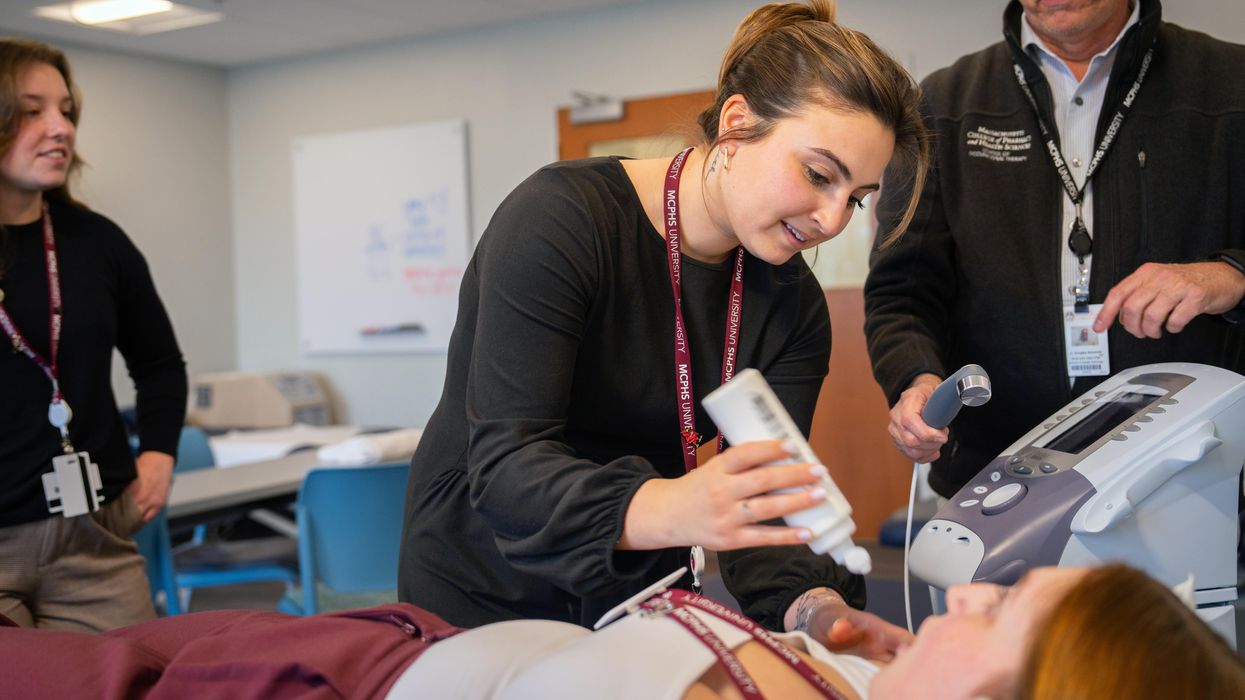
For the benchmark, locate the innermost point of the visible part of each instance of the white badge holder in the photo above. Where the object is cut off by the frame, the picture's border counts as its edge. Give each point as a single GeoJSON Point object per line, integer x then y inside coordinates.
{"type": "Point", "coordinates": [633, 603]}
{"type": "Point", "coordinates": [73, 487]}
{"type": "Point", "coordinates": [1087, 352]}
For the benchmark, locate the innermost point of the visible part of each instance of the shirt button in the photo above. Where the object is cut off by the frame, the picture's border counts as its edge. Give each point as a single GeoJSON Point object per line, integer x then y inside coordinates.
{"type": "Point", "coordinates": [1078, 100]}
{"type": "Point", "coordinates": [1076, 162]}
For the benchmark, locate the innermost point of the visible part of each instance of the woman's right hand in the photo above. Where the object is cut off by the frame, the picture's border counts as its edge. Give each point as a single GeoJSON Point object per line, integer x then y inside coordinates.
{"type": "Point", "coordinates": [722, 504]}
{"type": "Point", "coordinates": [910, 433]}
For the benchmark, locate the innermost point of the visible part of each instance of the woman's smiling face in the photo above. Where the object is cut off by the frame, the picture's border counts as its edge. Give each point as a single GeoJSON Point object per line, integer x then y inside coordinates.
{"type": "Point", "coordinates": [799, 185]}
{"type": "Point", "coordinates": [39, 157]}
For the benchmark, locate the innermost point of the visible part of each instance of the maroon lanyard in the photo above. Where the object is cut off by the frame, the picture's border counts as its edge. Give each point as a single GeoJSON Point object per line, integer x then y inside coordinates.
{"type": "Point", "coordinates": [675, 604]}
{"type": "Point", "coordinates": [54, 313]}
{"type": "Point", "coordinates": [686, 400]}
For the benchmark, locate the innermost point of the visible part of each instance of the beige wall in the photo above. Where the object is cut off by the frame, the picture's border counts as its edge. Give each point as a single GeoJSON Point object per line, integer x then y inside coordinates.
{"type": "Point", "coordinates": [154, 136]}
{"type": "Point", "coordinates": [195, 162]}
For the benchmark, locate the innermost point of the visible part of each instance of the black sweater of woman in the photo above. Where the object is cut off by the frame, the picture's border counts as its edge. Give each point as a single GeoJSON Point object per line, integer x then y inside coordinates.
{"type": "Point", "coordinates": [109, 302]}
{"type": "Point", "coordinates": [559, 403]}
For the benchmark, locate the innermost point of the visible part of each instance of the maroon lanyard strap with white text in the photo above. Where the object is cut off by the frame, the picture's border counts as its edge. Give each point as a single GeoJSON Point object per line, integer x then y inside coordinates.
{"type": "Point", "coordinates": [686, 398]}
{"type": "Point", "coordinates": [55, 314]}
{"type": "Point", "coordinates": [674, 603]}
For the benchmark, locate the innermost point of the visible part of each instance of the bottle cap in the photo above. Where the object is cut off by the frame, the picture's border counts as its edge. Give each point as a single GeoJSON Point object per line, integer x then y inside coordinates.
{"type": "Point", "coordinates": [858, 561]}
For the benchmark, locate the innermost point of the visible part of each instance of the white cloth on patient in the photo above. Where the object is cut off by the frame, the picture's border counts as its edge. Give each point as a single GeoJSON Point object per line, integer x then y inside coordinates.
{"type": "Point", "coordinates": [373, 448]}
{"type": "Point", "coordinates": [636, 657]}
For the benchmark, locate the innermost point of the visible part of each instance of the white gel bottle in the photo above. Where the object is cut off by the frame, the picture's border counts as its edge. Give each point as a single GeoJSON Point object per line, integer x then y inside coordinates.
{"type": "Point", "coordinates": [745, 409]}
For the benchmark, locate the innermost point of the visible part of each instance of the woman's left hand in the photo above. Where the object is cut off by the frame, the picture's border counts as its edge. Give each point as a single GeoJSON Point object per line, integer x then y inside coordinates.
{"type": "Point", "coordinates": [150, 488]}
{"type": "Point", "coordinates": [826, 617]}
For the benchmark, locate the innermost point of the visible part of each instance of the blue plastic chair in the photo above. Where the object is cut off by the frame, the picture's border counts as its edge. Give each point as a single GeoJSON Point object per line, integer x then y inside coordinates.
{"type": "Point", "coordinates": [349, 531]}
{"type": "Point", "coordinates": [203, 564]}
{"type": "Point", "coordinates": [155, 546]}
{"type": "Point", "coordinates": [154, 542]}
{"type": "Point", "coordinates": [193, 450]}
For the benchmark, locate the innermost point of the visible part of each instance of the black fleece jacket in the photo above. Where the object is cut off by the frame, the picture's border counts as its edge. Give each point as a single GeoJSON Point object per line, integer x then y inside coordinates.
{"type": "Point", "coordinates": [559, 403]}
{"type": "Point", "coordinates": [977, 276]}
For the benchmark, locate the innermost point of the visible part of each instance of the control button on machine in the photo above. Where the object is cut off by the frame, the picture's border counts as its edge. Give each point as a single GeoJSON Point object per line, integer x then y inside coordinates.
{"type": "Point", "coordinates": [995, 476]}
{"type": "Point", "coordinates": [1015, 460]}
{"type": "Point", "coordinates": [1003, 498]}
{"type": "Point", "coordinates": [1048, 468]}
{"type": "Point", "coordinates": [979, 490]}
{"type": "Point", "coordinates": [969, 503]}
{"type": "Point", "coordinates": [1023, 469]}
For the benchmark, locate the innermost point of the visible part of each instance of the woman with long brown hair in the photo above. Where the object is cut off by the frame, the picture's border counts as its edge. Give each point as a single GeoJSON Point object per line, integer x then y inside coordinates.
{"type": "Point", "coordinates": [559, 474]}
{"type": "Point", "coordinates": [73, 288]}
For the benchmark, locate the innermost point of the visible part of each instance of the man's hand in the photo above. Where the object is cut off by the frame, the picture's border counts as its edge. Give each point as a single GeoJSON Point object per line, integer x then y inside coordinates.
{"type": "Point", "coordinates": [914, 438]}
{"type": "Point", "coordinates": [150, 489]}
{"type": "Point", "coordinates": [1160, 297]}
{"type": "Point", "coordinates": [826, 617]}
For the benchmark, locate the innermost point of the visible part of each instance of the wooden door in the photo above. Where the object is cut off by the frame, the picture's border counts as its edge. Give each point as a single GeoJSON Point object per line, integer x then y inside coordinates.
{"type": "Point", "coordinates": [650, 127]}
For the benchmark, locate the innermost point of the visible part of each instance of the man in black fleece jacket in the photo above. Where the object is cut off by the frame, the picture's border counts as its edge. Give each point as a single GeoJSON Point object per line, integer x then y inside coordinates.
{"type": "Point", "coordinates": [991, 267]}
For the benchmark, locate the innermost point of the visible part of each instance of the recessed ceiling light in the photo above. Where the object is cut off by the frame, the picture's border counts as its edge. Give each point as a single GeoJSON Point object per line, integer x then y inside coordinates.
{"type": "Point", "coordinates": [131, 16]}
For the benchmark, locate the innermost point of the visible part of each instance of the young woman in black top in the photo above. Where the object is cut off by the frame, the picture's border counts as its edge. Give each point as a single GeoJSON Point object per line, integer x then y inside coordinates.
{"type": "Point", "coordinates": [606, 298]}
{"type": "Point", "coordinates": [72, 288]}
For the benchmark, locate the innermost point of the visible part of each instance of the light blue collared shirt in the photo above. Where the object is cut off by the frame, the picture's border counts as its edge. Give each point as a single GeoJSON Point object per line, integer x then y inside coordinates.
{"type": "Point", "coordinates": [1077, 106]}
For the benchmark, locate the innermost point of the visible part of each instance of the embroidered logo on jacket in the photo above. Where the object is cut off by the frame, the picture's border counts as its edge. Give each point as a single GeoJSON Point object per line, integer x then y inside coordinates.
{"type": "Point", "coordinates": [999, 146]}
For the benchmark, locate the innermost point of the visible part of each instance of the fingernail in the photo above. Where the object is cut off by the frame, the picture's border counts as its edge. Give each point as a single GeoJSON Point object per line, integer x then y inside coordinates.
{"type": "Point", "coordinates": [819, 470]}
{"type": "Point", "coordinates": [790, 446]}
{"type": "Point", "coordinates": [817, 494]}
{"type": "Point", "coordinates": [805, 535]}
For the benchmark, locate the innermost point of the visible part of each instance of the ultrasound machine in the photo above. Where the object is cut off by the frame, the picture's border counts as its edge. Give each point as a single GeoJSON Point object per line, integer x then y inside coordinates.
{"type": "Point", "coordinates": [1145, 469]}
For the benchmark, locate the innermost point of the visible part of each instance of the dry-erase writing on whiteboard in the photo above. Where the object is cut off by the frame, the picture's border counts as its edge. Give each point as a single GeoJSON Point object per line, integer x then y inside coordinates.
{"type": "Point", "coordinates": [394, 329]}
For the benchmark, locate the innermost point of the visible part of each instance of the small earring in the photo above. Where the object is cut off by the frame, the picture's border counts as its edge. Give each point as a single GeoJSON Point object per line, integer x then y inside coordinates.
{"type": "Point", "coordinates": [726, 159]}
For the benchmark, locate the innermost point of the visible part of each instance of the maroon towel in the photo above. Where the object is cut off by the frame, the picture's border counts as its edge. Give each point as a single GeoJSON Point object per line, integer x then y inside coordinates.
{"type": "Point", "coordinates": [232, 654]}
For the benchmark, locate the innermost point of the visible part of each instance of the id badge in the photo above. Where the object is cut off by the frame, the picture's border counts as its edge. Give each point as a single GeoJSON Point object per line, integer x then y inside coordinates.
{"type": "Point", "coordinates": [73, 487]}
{"type": "Point", "coordinates": [1087, 353]}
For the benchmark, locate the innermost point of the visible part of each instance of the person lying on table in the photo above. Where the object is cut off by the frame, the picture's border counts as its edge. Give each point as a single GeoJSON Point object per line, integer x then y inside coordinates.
{"type": "Point", "coordinates": [1059, 634]}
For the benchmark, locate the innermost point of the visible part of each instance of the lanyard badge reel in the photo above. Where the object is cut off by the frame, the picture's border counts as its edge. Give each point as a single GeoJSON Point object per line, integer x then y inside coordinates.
{"type": "Point", "coordinates": [73, 487]}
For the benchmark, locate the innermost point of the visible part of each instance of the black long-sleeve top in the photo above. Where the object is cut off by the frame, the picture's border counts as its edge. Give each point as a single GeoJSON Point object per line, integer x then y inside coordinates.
{"type": "Point", "coordinates": [559, 402]}
{"type": "Point", "coordinates": [109, 302]}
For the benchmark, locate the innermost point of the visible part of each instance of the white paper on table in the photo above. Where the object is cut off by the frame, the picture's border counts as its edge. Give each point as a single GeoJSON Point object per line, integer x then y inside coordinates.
{"type": "Point", "coordinates": [373, 448]}
{"type": "Point", "coordinates": [246, 446]}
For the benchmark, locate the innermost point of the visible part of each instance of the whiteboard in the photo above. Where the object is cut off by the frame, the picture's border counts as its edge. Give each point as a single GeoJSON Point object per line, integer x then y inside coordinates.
{"type": "Point", "coordinates": [381, 237]}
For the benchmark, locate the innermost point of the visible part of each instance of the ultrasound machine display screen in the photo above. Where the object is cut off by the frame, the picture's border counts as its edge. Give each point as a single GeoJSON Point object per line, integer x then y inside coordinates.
{"type": "Point", "coordinates": [1104, 418]}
